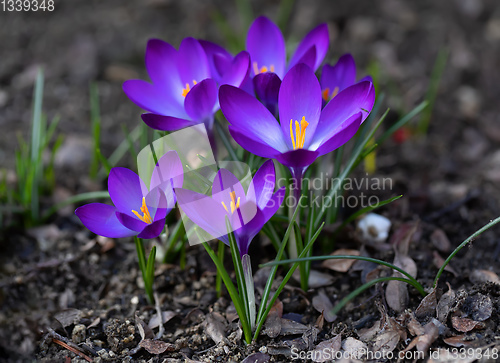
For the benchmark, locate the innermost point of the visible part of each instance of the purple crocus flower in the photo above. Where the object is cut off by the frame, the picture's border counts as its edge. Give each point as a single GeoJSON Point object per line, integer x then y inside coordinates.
{"type": "Point", "coordinates": [183, 92]}
{"type": "Point", "coordinates": [136, 211]}
{"type": "Point", "coordinates": [305, 131]}
{"type": "Point", "coordinates": [338, 77]}
{"type": "Point", "coordinates": [266, 46]}
{"type": "Point", "coordinates": [247, 212]}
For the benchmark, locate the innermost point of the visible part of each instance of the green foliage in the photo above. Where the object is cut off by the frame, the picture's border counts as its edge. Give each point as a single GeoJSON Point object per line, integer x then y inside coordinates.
{"type": "Point", "coordinates": [34, 175]}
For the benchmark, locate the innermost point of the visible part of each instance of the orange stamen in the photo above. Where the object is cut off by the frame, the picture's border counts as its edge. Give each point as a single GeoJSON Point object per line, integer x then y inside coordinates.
{"type": "Point", "coordinates": [300, 133]}
{"type": "Point", "coordinates": [146, 217]}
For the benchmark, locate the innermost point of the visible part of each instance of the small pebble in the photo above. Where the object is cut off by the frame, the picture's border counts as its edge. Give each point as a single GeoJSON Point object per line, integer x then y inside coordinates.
{"type": "Point", "coordinates": [374, 227]}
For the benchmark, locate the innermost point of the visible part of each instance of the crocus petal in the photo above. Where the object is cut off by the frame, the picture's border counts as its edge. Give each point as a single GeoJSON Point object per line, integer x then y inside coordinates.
{"type": "Point", "coordinates": [192, 62]}
{"type": "Point", "coordinates": [299, 96]}
{"type": "Point", "coordinates": [340, 136]}
{"type": "Point", "coordinates": [300, 158]}
{"type": "Point", "coordinates": [266, 46]}
{"type": "Point", "coordinates": [250, 117]}
{"type": "Point", "coordinates": [218, 59]}
{"type": "Point", "coordinates": [161, 63]}
{"type": "Point", "coordinates": [250, 228]}
{"type": "Point", "coordinates": [237, 70]}
{"type": "Point", "coordinates": [258, 148]}
{"type": "Point", "coordinates": [157, 204]}
{"type": "Point", "coordinates": [317, 37]}
{"type": "Point", "coordinates": [267, 87]}
{"type": "Point", "coordinates": [101, 219]}
{"type": "Point", "coordinates": [166, 123]}
{"type": "Point", "coordinates": [339, 76]}
{"type": "Point", "coordinates": [225, 183]}
{"type": "Point", "coordinates": [207, 213]}
{"type": "Point", "coordinates": [356, 98]}
{"type": "Point", "coordinates": [152, 230]}
{"type": "Point", "coordinates": [262, 186]}
{"type": "Point", "coordinates": [200, 101]}
{"type": "Point", "coordinates": [125, 189]}
{"type": "Point", "coordinates": [130, 222]}
{"type": "Point", "coordinates": [153, 99]}
{"type": "Point", "coordinates": [367, 79]}
{"type": "Point", "coordinates": [274, 204]}
{"type": "Point", "coordinates": [169, 167]}
{"type": "Point", "coordinates": [309, 57]}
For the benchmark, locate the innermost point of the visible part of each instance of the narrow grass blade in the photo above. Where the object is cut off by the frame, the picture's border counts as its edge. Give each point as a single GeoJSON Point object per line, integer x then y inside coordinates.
{"type": "Point", "coordinates": [462, 245]}
{"type": "Point", "coordinates": [218, 279]}
{"type": "Point", "coordinates": [362, 288]}
{"type": "Point", "coordinates": [401, 122]}
{"type": "Point", "coordinates": [432, 91]}
{"type": "Point", "coordinates": [279, 255]}
{"type": "Point", "coordinates": [238, 305]}
{"type": "Point", "coordinates": [365, 210]}
{"type": "Point", "coordinates": [37, 136]}
{"type": "Point", "coordinates": [284, 282]}
{"type": "Point", "coordinates": [415, 283]}
{"type": "Point", "coordinates": [352, 161]}
{"type": "Point", "coordinates": [95, 121]}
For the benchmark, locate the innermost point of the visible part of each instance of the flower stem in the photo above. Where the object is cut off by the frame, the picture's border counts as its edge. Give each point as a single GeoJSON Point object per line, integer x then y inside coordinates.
{"type": "Point", "coordinates": [247, 272]}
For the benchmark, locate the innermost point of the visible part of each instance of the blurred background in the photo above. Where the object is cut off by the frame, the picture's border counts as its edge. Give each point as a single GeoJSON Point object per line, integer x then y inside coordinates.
{"type": "Point", "coordinates": [446, 51]}
{"type": "Point", "coordinates": [397, 42]}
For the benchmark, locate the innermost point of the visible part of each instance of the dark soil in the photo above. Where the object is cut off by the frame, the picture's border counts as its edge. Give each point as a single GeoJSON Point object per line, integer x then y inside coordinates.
{"type": "Point", "coordinates": [61, 283]}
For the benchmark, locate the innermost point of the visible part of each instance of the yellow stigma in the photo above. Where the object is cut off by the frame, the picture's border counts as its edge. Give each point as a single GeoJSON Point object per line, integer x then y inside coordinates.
{"type": "Point", "coordinates": [300, 133]}
{"type": "Point", "coordinates": [262, 69]}
{"type": "Point", "coordinates": [326, 93]}
{"type": "Point", "coordinates": [235, 204]}
{"type": "Point", "coordinates": [186, 90]}
{"type": "Point", "coordinates": [146, 217]}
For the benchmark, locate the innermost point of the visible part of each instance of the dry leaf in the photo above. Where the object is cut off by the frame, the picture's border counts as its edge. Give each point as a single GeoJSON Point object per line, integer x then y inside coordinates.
{"type": "Point", "coordinates": [156, 346]}
{"type": "Point", "coordinates": [396, 295]}
{"type": "Point", "coordinates": [479, 307]}
{"type": "Point", "coordinates": [386, 342]}
{"type": "Point", "coordinates": [445, 304]}
{"type": "Point", "coordinates": [481, 276]}
{"type": "Point", "coordinates": [322, 304]}
{"type": "Point", "coordinates": [439, 261]}
{"type": "Point", "coordinates": [405, 263]}
{"type": "Point", "coordinates": [318, 279]}
{"type": "Point", "coordinates": [290, 327]}
{"type": "Point", "coordinates": [144, 330]}
{"type": "Point", "coordinates": [257, 358]}
{"type": "Point", "coordinates": [465, 325]}
{"type": "Point", "coordinates": [231, 313]}
{"type": "Point", "coordinates": [460, 341]}
{"type": "Point", "coordinates": [320, 321]}
{"type": "Point", "coordinates": [402, 237]}
{"type": "Point", "coordinates": [273, 320]}
{"type": "Point", "coordinates": [341, 265]}
{"type": "Point", "coordinates": [324, 350]}
{"type": "Point", "coordinates": [154, 322]}
{"type": "Point", "coordinates": [440, 240]}
{"type": "Point", "coordinates": [427, 306]}
{"type": "Point", "coordinates": [94, 323]}
{"type": "Point", "coordinates": [68, 316]}
{"type": "Point", "coordinates": [366, 334]}
{"type": "Point", "coordinates": [431, 330]}
{"type": "Point", "coordinates": [215, 327]}
{"type": "Point", "coordinates": [414, 327]}
{"type": "Point", "coordinates": [354, 347]}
